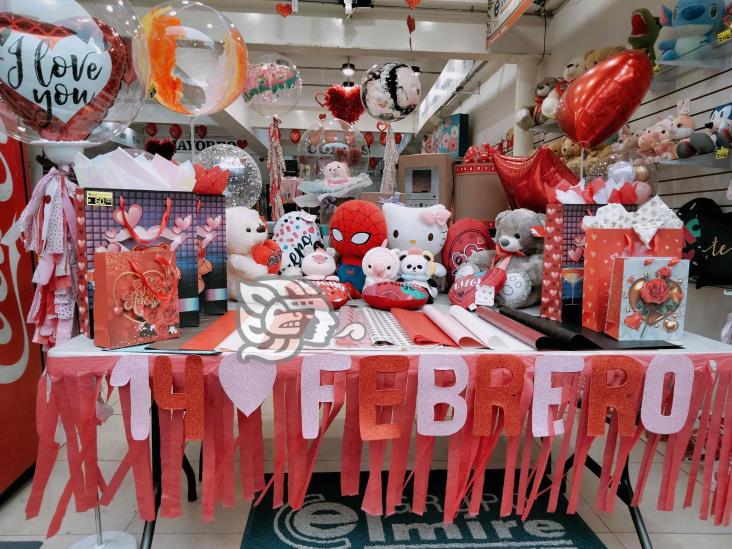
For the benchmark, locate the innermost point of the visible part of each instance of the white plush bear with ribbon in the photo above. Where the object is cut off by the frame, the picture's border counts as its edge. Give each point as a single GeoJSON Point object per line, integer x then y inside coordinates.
{"type": "Point", "coordinates": [424, 228]}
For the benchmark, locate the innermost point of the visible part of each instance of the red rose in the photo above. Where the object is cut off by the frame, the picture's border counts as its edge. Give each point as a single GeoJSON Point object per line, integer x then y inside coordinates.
{"type": "Point", "coordinates": [654, 291]}
{"type": "Point", "coordinates": [665, 272]}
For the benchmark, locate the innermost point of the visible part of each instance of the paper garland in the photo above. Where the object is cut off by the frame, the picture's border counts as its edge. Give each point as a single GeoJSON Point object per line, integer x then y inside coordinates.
{"type": "Point", "coordinates": [653, 414]}
{"type": "Point", "coordinates": [546, 395]}
{"type": "Point", "coordinates": [429, 395]}
{"type": "Point", "coordinates": [247, 383]}
{"type": "Point", "coordinates": [370, 396]}
{"type": "Point", "coordinates": [191, 400]}
{"type": "Point", "coordinates": [133, 370]}
{"type": "Point", "coordinates": [312, 393]}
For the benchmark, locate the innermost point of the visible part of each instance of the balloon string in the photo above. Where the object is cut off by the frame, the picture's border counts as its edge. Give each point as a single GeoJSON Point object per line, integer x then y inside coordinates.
{"type": "Point", "coordinates": [582, 163]}
{"type": "Point", "coordinates": [193, 143]}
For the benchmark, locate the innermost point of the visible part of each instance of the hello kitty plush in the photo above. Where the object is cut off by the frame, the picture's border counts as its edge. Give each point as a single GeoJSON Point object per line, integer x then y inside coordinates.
{"type": "Point", "coordinates": [425, 228]}
{"type": "Point", "coordinates": [418, 267]}
{"type": "Point", "coordinates": [380, 265]}
{"type": "Point", "coordinates": [319, 263]}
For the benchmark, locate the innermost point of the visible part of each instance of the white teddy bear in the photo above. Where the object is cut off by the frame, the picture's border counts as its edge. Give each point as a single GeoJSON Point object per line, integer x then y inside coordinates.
{"type": "Point", "coordinates": [244, 230]}
{"type": "Point", "coordinates": [336, 173]}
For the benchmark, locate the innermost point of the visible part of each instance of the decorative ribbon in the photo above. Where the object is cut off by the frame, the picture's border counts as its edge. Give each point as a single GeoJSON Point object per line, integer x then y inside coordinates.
{"type": "Point", "coordinates": [167, 269]}
{"type": "Point", "coordinates": [276, 167]}
{"type": "Point", "coordinates": [161, 227]}
{"type": "Point", "coordinates": [391, 157]}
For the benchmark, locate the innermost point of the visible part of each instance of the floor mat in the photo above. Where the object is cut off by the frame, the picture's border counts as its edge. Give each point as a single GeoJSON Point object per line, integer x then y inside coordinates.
{"type": "Point", "coordinates": [329, 520]}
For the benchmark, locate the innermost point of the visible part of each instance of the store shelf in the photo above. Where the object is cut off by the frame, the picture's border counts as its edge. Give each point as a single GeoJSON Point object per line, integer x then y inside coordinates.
{"type": "Point", "coordinates": [548, 127]}
{"type": "Point", "coordinates": [714, 57]}
{"type": "Point", "coordinates": [700, 161]}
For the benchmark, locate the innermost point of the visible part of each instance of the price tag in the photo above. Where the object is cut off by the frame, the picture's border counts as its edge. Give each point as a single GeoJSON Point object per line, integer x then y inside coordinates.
{"type": "Point", "coordinates": [722, 153]}
{"type": "Point", "coordinates": [485, 295]}
{"type": "Point", "coordinates": [724, 36]}
{"type": "Point", "coordinates": [99, 198]}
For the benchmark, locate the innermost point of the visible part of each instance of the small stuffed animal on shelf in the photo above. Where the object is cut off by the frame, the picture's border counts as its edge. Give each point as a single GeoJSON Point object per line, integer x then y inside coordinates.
{"type": "Point", "coordinates": [418, 267]}
{"type": "Point", "coordinates": [573, 70]}
{"type": "Point", "coordinates": [693, 24]}
{"type": "Point", "coordinates": [530, 116]}
{"type": "Point", "coordinates": [704, 141]}
{"type": "Point", "coordinates": [645, 29]}
{"type": "Point", "coordinates": [380, 265]}
{"type": "Point", "coordinates": [319, 263]}
{"type": "Point", "coordinates": [245, 229]}
{"type": "Point", "coordinates": [355, 228]}
{"type": "Point", "coordinates": [520, 248]}
{"type": "Point", "coordinates": [724, 133]}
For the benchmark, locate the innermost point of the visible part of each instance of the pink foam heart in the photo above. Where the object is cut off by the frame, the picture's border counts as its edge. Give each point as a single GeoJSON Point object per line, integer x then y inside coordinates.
{"type": "Point", "coordinates": [246, 383]}
{"type": "Point", "coordinates": [213, 223]}
{"type": "Point", "coordinates": [181, 224]}
{"type": "Point", "coordinates": [576, 254]}
{"type": "Point", "coordinates": [133, 215]}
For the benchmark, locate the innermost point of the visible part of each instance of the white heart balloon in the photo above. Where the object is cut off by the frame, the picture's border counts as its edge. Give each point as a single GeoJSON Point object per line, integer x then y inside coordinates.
{"type": "Point", "coordinates": [246, 383]}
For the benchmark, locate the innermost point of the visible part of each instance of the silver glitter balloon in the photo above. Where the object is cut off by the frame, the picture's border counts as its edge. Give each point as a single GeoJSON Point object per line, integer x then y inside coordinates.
{"type": "Point", "coordinates": [245, 180]}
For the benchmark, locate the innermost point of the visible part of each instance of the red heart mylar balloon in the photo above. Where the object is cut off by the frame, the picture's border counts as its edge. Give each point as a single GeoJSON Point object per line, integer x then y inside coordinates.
{"type": "Point", "coordinates": [81, 103]}
{"type": "Point", "coordinates": [525, 180]}
{"type": "Point", "coordinates": [242, 143]}
{"type": "Point", "coordinates": [295, 136]}
{"type": "Point", "coordinates": [599, 102]}
{"type": "Point", "coordinates": [382, 138]}
{"type": "Point", "coordinates": [201, 131]}
{"type": "Point", "coordinates": [369, 138]}
{"type": "Point", "coordinates": [397, 138]}
{"type": "Point", "coordinates": [175, 131]}
{"type": "Point", "coordinates": [151, 129]}
{"type": "Point", "coordinates": [344, 103]}
{"type": "Point", "coordinates": [285, 10]}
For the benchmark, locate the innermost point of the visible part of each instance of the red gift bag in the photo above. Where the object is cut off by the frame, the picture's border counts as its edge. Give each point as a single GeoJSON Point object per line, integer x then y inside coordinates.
{"type": "Point", "coordinates": [136, 298]}
{"type": "Point", "coordinates": [605, 244]}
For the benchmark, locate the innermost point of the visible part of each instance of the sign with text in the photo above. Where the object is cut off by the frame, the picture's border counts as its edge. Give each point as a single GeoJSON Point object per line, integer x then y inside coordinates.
{"type": "Point", "coordinates": [502, 16]}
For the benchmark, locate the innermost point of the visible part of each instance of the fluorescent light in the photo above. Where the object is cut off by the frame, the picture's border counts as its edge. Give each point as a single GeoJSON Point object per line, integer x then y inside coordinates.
{"type": "Point", "coordinates": [348, 69]}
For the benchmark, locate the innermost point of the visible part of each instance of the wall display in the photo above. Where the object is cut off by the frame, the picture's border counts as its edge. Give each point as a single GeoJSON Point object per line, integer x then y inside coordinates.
{"type": "Point", "coordinates": [20, 367]}
{"type": "Point", "coordinates": [41, 98]}
{"type": "Point", "coordinates": [198, 58]}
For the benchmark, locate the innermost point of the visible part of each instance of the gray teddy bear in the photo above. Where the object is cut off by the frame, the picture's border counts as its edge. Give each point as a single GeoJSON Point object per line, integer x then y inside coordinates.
{"type": "Point", "coordinates": [520, 233]}
{"type": "Point", "coordinates": [530, 116]}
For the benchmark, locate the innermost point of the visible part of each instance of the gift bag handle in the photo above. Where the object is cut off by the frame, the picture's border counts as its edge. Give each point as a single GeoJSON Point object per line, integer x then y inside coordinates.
{"type": "Point", "coordinates": [163, 298]}
{"type": "Point", "coordinates": [161, 227]}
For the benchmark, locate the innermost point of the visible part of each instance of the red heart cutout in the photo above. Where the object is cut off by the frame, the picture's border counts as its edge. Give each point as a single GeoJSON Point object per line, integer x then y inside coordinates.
{"type": "Point", "coordinates": [37, 115]}
{"type": "Point", "coordinates": [413, 3]}
{"type": "Point", "coordinates": [284, 9]}
{"type": "Point", "coordinates": [242, 143]}
{"type": "Point", "coordinates": [344, 103]}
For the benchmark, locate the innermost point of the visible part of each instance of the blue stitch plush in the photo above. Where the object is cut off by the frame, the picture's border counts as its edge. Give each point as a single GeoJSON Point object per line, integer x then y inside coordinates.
{"type": "Point", "coordinates": [689, 26]}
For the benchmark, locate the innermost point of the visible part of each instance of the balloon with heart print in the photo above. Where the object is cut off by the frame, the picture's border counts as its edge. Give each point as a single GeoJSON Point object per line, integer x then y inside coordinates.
{"type": "Point", "coordinates": [198, 58]}
{"type": "Point", "coordinates": [332, 140]}
{"type": "Point", "coordinates": [69, 70]}
{"type": "Point", "coordinates": [273, 86]}
{"type": "Point", "coordinates": [244, 183]}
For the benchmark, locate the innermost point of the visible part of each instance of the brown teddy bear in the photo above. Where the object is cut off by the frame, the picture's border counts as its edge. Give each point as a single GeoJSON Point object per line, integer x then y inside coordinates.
{"type": "Point", "coordinates": [556, 146]}
{"type": "Point", "coordinates": [570, 154]}
{"type": "Point", "coordinates": [596, 56]}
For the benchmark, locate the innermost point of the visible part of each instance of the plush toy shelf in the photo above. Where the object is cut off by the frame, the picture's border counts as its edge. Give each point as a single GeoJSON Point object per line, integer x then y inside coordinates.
{"type": "Point", "coordinates": [548, 127]}
{"type": "Point", "coordinates": [716, 57]}
{"type": "Point", "coordinates": [700, 161]}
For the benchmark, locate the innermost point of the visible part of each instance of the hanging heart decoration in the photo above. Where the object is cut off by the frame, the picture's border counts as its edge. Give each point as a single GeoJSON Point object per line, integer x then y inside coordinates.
{"type": "Point", "coordinates": [201, 131]}
{"type": "Point", "coordinates": [175, 131]}
{"type": "Point", "coordinates": [397, 138]}
{"type": "Point", "coordinates": [369, 138]}
{"type": "Point", "coordinates": [382, 138]}
{"type": "Point", "coordinates": [373, 162]}
{"type": "Point", "coordinates": [295, 136]}
{"type": "Point", "coordinates": [73, 82]}
{"type": "Point", "coordinates": [344, 103]}
{"type": "Point", "coordinates": [413, 3]}
{"type": "Point", "coordinates": [151, 129]}
{"type": "Point", "coordinates": [242, 143]}
{"type": "Point", "coordinates": [285, 10]}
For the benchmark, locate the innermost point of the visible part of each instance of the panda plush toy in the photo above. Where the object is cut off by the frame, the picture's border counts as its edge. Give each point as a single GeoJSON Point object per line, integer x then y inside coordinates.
{"type": "Point", "coordinates": [418, 267]}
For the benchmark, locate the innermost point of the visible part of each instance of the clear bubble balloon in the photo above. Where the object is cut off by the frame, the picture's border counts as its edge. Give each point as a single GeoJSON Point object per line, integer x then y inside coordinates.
{"type": "Point", "coordinates": [69, 71]}
{"type": "Point", "coordinates": [273, 86]}
{"type": "Point", "coordinates": [198, 58]}
{"type": "Point", "coordinates": [391, 91]}
{"type": "Point", "coordinates": [331, 140]}
{"type": "Point", "coordinates": [245, 180]}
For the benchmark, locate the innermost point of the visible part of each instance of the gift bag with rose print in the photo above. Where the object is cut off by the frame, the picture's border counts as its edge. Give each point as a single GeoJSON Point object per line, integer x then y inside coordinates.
{"type": "Point", "coordinates": [136, 298]}
{"type": "Point", "coordinates": [653, 230]}
{"type": "Point", "coordinates": [210, 226]}
{"type": "Point", "coordinates": [122, 220]}
{"type": "Point", "coordinates": [647, 298]}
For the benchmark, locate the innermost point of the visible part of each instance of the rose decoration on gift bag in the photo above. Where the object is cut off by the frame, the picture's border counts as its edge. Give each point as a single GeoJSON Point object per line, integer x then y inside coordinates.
{"type": "Point", "coordinates": [654, 299]}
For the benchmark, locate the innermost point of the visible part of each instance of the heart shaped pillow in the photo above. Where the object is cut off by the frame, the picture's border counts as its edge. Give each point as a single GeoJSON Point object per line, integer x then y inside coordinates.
{"type": "Point", "coordinates": [344, 103]}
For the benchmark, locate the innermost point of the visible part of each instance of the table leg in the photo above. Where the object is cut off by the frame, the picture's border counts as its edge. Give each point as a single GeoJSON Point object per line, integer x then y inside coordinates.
{"type": "Point", "coordinates": [149, 530]}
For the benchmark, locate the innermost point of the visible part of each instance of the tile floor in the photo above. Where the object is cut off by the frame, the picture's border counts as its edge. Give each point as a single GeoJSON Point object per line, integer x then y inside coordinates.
{"type": "Point", "coordinates": [680, 529]}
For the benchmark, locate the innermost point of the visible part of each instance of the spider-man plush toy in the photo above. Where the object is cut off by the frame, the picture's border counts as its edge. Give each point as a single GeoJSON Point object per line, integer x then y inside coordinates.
{"type": "Point", "coordinates": [355, 228]}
